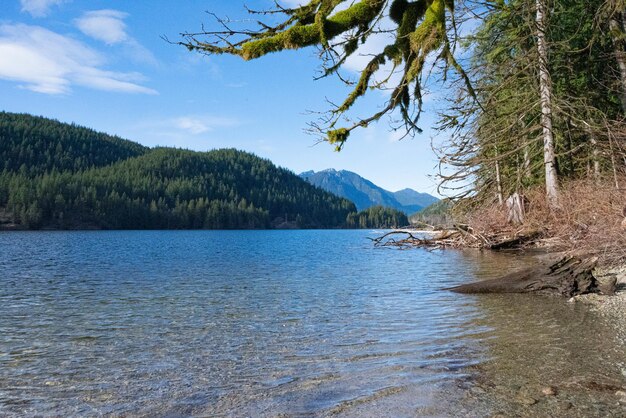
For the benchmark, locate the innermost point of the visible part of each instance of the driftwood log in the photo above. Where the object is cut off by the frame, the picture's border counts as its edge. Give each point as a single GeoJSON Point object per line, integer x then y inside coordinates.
{"type": "Point", "coordinates": [569, 276]}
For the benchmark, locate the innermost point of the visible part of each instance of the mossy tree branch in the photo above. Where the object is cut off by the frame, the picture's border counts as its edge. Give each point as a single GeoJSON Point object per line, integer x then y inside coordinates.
{"type": "Point", "coordinates": [339, 27]}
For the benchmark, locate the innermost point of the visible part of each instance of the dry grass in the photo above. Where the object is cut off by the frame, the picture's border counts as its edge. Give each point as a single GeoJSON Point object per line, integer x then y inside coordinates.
{"type": "Point", "coordinates": [589, 220]}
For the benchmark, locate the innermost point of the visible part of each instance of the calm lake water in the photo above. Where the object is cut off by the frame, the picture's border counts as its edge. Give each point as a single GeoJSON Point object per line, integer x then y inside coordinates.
{"type": "Point", "coordinates": [285, 323]}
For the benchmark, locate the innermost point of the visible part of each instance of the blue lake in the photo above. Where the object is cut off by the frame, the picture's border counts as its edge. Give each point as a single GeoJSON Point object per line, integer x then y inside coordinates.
{"type": "Point", "coordinates": [285, 323]}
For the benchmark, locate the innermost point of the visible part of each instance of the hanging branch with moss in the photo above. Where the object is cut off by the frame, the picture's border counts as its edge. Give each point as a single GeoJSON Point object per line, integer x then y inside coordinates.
{"type": "Point", "coordinates": [339, 28]}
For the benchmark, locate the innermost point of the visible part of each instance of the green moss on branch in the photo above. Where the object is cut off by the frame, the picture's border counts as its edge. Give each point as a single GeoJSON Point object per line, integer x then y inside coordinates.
{"type": "Point", "coordinates": [300, 36]}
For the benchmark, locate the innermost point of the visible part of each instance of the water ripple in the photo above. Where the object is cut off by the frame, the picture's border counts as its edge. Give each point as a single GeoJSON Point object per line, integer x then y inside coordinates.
{"type": "Point", "coordinates": [253, 323]}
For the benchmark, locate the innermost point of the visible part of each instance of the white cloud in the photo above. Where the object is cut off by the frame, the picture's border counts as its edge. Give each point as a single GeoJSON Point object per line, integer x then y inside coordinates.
{"type": "Point", "coordinates": [200, 124]}
{"type": "Point", "coordinates": [396, 136]}
{"type": "Point", "coordinates": [365, 53]}
{"type": "Point", "coordinates": [108, 26]}
{"type": "Point", "coordinates": [192, 131]}
{"type": "Point", "coordinates": [39, 8]}
{"type": "Point", "coordinates": [47, 62]}
{"type": "Point", "coordinates": [104, 25]}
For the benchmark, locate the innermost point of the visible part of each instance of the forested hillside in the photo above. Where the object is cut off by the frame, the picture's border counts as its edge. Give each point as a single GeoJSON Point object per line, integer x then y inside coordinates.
{"type": "Point", "coordinates": [57, 175]}
{"type": "Point", "coordinates": [35, 145]}
{"type": "Point", "coordinates": [437, 215]}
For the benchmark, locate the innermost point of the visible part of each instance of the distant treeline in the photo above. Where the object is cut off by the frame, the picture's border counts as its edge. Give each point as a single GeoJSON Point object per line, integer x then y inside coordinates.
{"type": "Point", "coordinates": [438, 214]}
{"type": "Point", "coordinates": [56, 175]}
{"type": "Point", "coordinates": [377, 217]}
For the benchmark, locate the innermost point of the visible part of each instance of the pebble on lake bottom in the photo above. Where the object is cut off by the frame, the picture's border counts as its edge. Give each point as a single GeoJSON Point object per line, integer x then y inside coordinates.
{"type": "Point", "coordinates": [526, 400]}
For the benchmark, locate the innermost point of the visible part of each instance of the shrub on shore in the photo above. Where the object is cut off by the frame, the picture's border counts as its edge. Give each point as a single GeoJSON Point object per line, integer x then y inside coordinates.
{"type": "Point", "coordinates": [588, 220]}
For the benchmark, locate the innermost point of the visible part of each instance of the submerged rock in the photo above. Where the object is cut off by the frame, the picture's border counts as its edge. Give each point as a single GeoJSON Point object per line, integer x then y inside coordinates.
{"type": "Point", "coordinates": [525, 400]}
{"type": "Point", "coordinates": [565, 406]}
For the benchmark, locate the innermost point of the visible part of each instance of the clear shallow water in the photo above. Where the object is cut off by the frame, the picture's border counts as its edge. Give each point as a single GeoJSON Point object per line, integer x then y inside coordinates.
{"type": "Point", "coordinates": [284, 323]}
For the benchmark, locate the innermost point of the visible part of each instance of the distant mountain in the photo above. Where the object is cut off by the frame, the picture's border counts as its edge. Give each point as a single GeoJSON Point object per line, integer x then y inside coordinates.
{"type": "Point", "coordinates": [366, 194]}
{"type": "Point", "coordinates": [414, 201]}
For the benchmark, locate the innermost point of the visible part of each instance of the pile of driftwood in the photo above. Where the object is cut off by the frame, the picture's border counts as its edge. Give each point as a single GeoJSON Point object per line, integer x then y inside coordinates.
{"type": "Point", "coordinates": [456, 237]}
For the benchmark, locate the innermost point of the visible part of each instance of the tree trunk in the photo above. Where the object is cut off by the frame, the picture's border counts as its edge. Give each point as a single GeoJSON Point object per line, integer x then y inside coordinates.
{"type": "Point", "coordinates": [595, 152]}
{"type": "Point", "coordinates": [545, 91]}
{"type": "Point", "coordinates": [596, 160]}
{"type": "Point", "coordinates": [499, 180]}
{"type": "Point", "coordinates": [620, 53]}
{"type": "Point", "coordinates": [613, 164]}
{"type": "Point", "coordinates": [526, 167]}
{"type": "Point", "coordinates": [526, 173]}
{"type": "Point", "coordinates": [615, 178]}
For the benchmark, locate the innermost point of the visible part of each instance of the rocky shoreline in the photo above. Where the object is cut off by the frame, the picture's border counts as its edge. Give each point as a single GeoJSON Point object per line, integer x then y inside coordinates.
{"type": "Point", "coordinates": [613, 305]}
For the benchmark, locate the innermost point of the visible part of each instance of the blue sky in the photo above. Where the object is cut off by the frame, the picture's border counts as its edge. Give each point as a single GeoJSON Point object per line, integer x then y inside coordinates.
{"type": "Point", "coordinates": [104, 65]}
